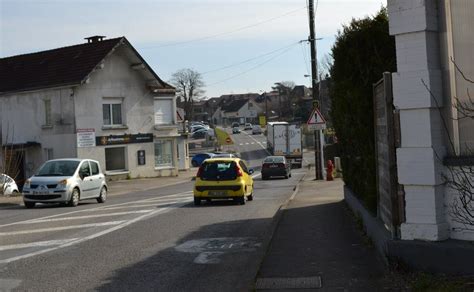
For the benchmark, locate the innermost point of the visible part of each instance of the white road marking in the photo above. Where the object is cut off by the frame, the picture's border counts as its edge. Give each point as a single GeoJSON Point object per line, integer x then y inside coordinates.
{"type": "Point", "coordinates": [9, 284]}
{"type": "Point", "coordinates": [91, 209]}
{"type": "Point", "coordinates": [241, 144]}
{"type": "Point", "coordinates": [259, 143]}
{"type": "Point", "coordinates": [36, 244]}
{"type": "Point", "coordinates": [247, 143]}
{"type": "Point", "coordinates": [125, 224]}
{"type": "Point", "coordinates": [88, 216]}
{"type": "Point", "coordinates": [252, 143]}
{"type": "Point", "coordinates": [62, 228]}
{"type": "Point", "coordinates": [150, 204]}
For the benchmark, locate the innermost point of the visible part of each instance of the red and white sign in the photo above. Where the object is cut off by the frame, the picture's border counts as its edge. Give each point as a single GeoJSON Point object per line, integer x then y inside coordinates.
{"type": "Point", "coordinates": [316, 120]}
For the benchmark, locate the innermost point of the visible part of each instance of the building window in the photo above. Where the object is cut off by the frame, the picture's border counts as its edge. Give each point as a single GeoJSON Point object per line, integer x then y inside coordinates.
{"type": "Point", "coordinates": [48, 153]}
{"type": "Point", "coordinates": [112, 113]}
{"type": "Point", "coordinates": [163, 153]}
{"type": "Point", "coordinates": [164, 113]}
{"type": "Point", "coordinates": [115, 159]}
{"type": "Point", "coordinates": [47, 112]}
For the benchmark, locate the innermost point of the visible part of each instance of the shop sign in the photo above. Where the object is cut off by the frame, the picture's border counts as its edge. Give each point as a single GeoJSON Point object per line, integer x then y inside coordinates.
{"type": "Point", "coordinates": [124, 139]}
{"type": "Point", "coordinates": [85, 138]}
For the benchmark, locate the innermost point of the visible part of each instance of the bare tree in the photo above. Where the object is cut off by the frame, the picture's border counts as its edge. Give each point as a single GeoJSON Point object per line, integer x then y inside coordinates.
{"type": "Point", "coordinates": [324, 66]}
{"type": "Point", "coordinates": [189, 87]}
{"type": "Point", "coordinates": [284, 89]}
{"type": "Point", "coordinates": [10, 157]}
{"type": "Point", "coordinates": [460, 178]}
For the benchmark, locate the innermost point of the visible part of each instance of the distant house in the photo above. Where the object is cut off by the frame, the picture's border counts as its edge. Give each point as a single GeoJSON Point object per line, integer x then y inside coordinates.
{"type": "Point", "coordinates": [241, 111]}
{"type": "Point", "coordinates": [97, 100]}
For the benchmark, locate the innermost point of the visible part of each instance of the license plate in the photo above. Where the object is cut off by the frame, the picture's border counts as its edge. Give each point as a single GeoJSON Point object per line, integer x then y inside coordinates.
{"type": "Point", "coordinates": [40, 193]}
{"type": "Point", "coordinates": [217, 193]}
{"type": "Point", "coordinates": [273, 166]}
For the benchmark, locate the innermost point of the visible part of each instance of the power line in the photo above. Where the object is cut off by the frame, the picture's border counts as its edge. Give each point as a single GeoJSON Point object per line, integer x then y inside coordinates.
{"type": "Point", "coordinates": [305, 58]}
{"type": "Point", "coordinates": [248, 60]}
{"type": "Point", "coordinates": [224, 33]}
{"type": "Point", "coordinates": [252, 68]}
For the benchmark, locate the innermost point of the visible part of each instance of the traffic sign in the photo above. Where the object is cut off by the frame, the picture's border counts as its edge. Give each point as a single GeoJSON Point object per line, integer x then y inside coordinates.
{"type": "Point", "coordinates": [316, 118]}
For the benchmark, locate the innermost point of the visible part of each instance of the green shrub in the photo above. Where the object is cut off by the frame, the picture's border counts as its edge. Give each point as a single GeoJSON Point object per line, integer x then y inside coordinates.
{"type": "Point", "coordinates": [362, 52]}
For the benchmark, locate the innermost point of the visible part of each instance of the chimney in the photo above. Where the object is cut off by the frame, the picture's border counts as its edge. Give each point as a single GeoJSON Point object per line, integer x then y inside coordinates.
{"type": "Point", "coordinates": [95, 39]}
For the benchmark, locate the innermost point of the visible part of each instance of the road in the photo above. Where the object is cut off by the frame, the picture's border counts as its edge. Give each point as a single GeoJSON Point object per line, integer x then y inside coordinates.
{"type": "Point", "coordinates": [148, 240]}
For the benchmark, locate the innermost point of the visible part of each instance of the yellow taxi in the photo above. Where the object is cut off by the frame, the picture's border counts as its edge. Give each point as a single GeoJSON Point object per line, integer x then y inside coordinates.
{"type": "Point", "coordinates": [223, 178]}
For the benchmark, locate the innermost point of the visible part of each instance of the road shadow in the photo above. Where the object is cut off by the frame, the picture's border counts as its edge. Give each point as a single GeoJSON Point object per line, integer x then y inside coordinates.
{"type": "Point", "coordinates": [320, 240]}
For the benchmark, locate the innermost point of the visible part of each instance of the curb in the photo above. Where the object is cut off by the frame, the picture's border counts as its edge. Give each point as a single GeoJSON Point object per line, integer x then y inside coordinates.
{"type": "Point", "coordinates": [276, 222]}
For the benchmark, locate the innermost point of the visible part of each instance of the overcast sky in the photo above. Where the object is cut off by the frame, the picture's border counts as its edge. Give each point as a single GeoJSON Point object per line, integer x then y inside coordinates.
{"type": "Point", "coordinates": [256, 40]}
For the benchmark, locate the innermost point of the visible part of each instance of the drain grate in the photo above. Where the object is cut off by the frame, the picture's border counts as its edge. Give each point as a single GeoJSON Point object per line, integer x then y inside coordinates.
{"type": "Point", "coordinates": [289, 283]}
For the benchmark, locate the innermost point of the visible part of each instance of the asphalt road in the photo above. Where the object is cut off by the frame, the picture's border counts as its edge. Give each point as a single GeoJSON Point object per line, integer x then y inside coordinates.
{"type": "Point", "coordinates": [149, 240]}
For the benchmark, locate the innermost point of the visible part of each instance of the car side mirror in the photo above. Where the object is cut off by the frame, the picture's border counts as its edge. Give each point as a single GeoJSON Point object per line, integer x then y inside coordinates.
{"type": "Point", "coordinates": [251, 171]}
{"type": "Point", "coordinates": [82, 175]}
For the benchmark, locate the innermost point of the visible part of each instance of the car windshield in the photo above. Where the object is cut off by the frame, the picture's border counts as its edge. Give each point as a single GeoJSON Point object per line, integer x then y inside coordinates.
{"type": "Point", "coordinates": [58, 168]}
{"type": "Point", "coordinates": [219, 170]}
{"type": "Point", "coordinates": [274, 160]}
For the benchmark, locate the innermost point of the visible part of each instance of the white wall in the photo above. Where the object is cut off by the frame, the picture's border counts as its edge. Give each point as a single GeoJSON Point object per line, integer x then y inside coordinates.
{"type": "Point", "coordinates": [419, 159]}
{"type": "Point", "coordinates": [23, 120]}
{"type": "Point", "coordinates": [116, 79]}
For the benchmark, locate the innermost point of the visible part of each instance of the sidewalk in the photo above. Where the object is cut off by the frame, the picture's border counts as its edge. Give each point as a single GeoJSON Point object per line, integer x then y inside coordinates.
{"type": "Point", "coordinates": [317, 245]}
{"type": "Point", "coordinates": [121, 187]}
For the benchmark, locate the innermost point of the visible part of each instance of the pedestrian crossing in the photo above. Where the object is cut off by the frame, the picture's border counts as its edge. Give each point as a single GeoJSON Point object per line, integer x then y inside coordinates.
{"type": "Point", "coordinates": [37, 236]}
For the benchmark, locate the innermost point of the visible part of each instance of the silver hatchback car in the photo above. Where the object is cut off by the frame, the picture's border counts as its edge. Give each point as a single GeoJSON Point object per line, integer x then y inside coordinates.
{"type": "Point", "coordinates": [66, 181]}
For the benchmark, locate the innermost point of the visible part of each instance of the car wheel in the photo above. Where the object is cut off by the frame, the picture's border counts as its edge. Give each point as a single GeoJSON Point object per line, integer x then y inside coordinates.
{"type": "Point", "coordinates": [103, 195]}
{"type": "Point", "coordinates": [241, 200]}
{"type": "Point", "coordinates": [15, 193]}
{"type": "Point", "coordinates": [286, 176]}
{"type": "Point", "coordinates": [74, 201]}
{"type": "Point", "coordinates": [194, 163]}
{"type": "Point", "coordinates": [29, 205]}
{"type": "Point", "coordinates": [197, 201]}
{"type": "Point", "coordinates": [264, 177]}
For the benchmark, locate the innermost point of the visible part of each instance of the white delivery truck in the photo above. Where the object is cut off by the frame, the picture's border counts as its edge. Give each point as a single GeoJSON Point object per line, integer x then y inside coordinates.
{"type": "Point", "coordinates": [284, 139]}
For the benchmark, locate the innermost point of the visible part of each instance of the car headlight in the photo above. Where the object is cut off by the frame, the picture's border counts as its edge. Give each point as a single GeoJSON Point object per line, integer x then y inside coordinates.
{"type": "Point", "coordinates": [63, 183]}
{"type": "Point", "coordinates": [27, 183]}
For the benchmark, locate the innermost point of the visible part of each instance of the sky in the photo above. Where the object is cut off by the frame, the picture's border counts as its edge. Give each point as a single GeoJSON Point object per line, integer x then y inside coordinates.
{"type": "Point", "coordinates": [238, 46]}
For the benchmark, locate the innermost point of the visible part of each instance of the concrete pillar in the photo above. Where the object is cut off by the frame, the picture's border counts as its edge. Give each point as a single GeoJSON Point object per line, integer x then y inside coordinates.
{"type": "Point", "coordinates": [414, 23]}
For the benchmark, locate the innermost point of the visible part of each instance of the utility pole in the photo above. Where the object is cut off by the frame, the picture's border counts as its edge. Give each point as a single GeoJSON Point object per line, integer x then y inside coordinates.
{"type": "Point", "coordinates": [314, 73]}
{"type": "Point", "coordinates": [266, 107]}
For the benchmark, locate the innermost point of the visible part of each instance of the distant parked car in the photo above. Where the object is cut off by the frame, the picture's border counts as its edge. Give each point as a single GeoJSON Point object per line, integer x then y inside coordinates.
{"type": "Point", "coordinates": [235, 130]}
{"type": "Point", "coordinates": [256, 130]}
{"type": "Point", "coordinates": [8, 185]}
{"type": "Point", "coordinates": [276, 166]}
{"type": "Point", "coordinates": [66, 181]}
{"type": "Point", "coordinates": [200, 134]}
{"type": "Point", "coordinates": [248, 126]}
{"type": "Point", "coordinates": [235, 124]}
{"type": "Point", "coordinates": [198, 159]}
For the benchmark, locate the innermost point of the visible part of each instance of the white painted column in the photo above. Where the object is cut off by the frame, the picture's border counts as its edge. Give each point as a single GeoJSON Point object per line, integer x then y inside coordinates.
{"type": "Point", "coordinates": [414, 23]}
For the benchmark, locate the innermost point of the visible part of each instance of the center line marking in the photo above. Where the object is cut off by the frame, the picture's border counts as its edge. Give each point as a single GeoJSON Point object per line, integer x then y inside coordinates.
{"type": "Point", "coordinates": [36, 244]}
{"type": "Point", "coordinates": [62, 228]}
{"type": "Point", "coordinates": [86, 217]}
{"type": "Point", "coordinates": [101, 233]}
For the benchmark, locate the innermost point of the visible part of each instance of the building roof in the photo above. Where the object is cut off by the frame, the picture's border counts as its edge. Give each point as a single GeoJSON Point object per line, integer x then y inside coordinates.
{"type": "Point", "coordinates": [58, 67]}
{"type": "Point", "coordinates": [234, 105]}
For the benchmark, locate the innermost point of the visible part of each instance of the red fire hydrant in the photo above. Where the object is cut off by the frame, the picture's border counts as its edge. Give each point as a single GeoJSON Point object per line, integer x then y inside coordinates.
{"type": "Point", "coordinates": [330, 169]}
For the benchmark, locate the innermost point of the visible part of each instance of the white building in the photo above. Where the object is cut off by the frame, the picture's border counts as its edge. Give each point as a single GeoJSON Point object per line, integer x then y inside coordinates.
{"type": "Point", "coordinates": [241, 111]}
{"type": "Point", "coordinates": [97, 100]}
{"type": "Point", "coordinates": [432, 38]}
